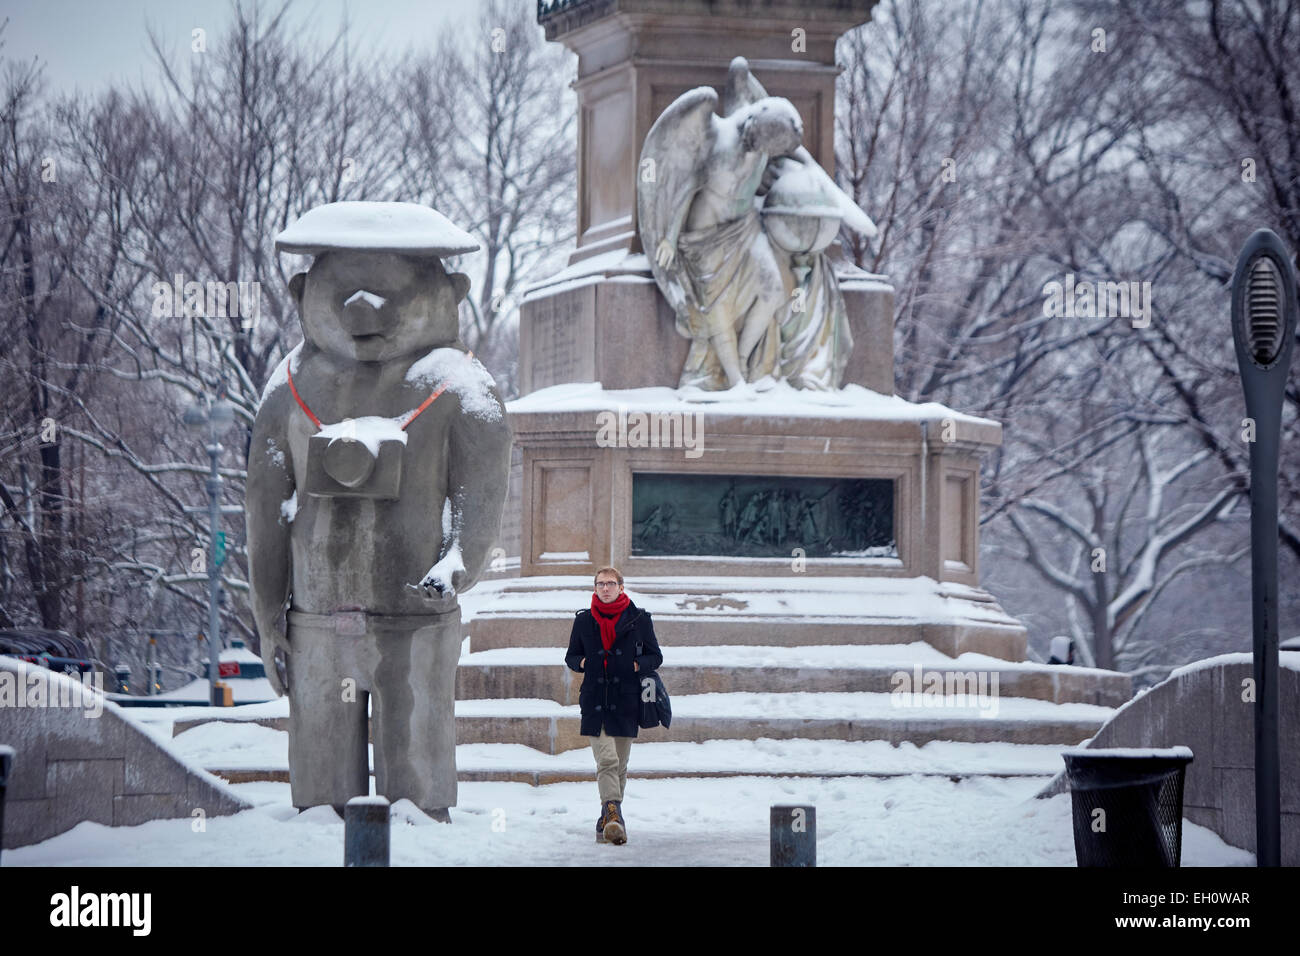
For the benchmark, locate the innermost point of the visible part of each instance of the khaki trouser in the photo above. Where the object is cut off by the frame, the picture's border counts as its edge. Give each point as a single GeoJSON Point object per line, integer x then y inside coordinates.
{"type": "Point", "coordinates": [611, 764]}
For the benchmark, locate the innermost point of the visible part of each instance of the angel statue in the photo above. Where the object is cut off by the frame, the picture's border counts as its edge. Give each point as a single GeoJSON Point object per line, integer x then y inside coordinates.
{"type": "Point", "coordinates": [736, 216]}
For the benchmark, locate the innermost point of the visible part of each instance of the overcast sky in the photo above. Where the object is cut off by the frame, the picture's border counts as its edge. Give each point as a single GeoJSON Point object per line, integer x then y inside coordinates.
{"type": "Point", "coordinates": [87, 44]}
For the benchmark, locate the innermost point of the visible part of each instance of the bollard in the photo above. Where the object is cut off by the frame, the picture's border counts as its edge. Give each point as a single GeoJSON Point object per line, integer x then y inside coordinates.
{"type": "Point", "coordinates": [794, 834]}
{"type": "Point", "coordinates": [365, 832]}
{"type": "Point", "coordinates": [6, 762]}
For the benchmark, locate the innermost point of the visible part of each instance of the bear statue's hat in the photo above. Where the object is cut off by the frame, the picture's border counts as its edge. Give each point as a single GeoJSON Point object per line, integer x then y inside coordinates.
{"type": "Point", "coordinates": [401, 227]}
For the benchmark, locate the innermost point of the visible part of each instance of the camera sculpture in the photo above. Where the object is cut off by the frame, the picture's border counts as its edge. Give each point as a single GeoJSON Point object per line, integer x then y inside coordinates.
{"type": "Point", "coordinates": [377, 475]}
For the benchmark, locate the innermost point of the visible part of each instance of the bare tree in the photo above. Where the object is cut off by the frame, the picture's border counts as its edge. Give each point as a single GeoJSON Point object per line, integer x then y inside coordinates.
{"type": "Point", "coordinates": [489, 141]}
{"type": "Point", "coordinates": [1003, 146]}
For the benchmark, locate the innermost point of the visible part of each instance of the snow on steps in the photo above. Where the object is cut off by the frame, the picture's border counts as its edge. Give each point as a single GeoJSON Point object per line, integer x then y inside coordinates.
{"type": "Point", "coordinates": [551, 727]}
{"type": "Point", "coordinates": [539, 673]}
{"type": "Point", "coordinates": [538, 741]}
{"type": "Point", "coordinates": [245, 751]}
{"type": "Point", "coordinates": [782, 610]}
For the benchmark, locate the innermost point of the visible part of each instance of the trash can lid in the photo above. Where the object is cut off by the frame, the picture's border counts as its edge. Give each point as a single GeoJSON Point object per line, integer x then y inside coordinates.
{"type": "Point", "coordinates": [1100, 767]}
{"type": "Point", "coordinates": [1130, 752]}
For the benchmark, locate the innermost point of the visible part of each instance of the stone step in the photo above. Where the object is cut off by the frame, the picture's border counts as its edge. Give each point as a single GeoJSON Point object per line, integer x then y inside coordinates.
{"type": "Point", "coordinates": [789, 610]}
{"type": "Point", "coordinates": [552, 728]}
{"type": "Point", "coordinates": [537, 673]}
{"type": "Point", "coordinates": [728, 758]}
{"type": "Point", "coordinates": [543, 778]}
{"type": "Point", "coordinates": [492, 631]}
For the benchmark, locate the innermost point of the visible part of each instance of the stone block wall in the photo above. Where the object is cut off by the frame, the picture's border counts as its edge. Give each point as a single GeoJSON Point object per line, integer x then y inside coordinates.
{"type": "Point", "coordinates": [80, 758]}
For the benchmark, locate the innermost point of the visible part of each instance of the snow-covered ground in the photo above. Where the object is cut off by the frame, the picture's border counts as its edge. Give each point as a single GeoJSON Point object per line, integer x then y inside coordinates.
{"type": "Point", "coordinates": [224, 745]}
{"type": "Point", "coordinates": [904, 821]}
{"type": "Point", "coordinates": [920, 818]}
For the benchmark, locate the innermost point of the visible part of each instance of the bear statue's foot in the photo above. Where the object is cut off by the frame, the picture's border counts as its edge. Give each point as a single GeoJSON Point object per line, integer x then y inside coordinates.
{"type": "Point", "coordinates": [440, 814]}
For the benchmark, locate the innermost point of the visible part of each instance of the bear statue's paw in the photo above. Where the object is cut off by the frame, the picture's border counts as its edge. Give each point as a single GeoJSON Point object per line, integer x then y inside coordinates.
{"type": "Point", "coordinates": [443, 577]}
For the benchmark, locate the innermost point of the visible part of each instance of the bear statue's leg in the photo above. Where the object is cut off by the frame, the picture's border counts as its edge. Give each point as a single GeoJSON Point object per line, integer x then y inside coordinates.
{"type": "Point", "coordinates": [327, 719]}
{"type": "Point", "coordinates": [415, 715]}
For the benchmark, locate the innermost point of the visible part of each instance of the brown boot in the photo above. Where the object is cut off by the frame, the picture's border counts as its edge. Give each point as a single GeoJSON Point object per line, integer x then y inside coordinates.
{"type": "Point", "coordinates": [615, 832]}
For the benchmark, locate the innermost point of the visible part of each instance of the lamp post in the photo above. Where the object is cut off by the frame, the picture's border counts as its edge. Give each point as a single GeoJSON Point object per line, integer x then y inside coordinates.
{"type": "Point", "coordinates": [1263, 329]}
{"type": "Point", "coordinates": [215, 416]}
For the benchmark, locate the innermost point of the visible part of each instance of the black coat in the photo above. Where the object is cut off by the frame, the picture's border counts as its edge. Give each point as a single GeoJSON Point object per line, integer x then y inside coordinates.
{"type": "Point", "coordinates": [611, 700]}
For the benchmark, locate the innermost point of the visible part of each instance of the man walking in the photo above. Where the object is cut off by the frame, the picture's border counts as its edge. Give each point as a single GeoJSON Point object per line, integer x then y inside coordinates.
{"type": "Point", "coordinates": [619, 640]}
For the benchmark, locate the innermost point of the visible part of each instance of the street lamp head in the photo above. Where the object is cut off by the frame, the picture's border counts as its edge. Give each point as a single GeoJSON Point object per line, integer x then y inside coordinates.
{"type": "Point", "coordinates": [1263, 304]}
{"type": "Point", "coordinates": [222, 415]}
{"type": "Point", "coordinates": [216, 416]}
{"type": "Point", "coordinates": [196, 416]}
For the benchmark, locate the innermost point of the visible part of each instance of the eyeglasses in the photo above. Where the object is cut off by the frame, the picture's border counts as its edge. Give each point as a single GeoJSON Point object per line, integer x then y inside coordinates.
{"type": "Point", "coordinates": [606, 584]}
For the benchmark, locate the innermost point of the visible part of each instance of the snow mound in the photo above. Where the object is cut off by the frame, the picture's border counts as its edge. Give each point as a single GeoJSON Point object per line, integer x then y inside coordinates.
{"type": "Point", "coordinates": [401, 227]}
{"type": "Point", "coordinates": [464, 376]}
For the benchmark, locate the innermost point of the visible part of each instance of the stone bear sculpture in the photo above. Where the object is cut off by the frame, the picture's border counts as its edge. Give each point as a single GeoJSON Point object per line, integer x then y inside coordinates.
{"type": "Point", "coordinates": [377, 475]}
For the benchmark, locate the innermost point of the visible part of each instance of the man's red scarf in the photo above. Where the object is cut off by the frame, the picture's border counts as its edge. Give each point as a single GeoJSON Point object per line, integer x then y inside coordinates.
{"type": "Point", "coordinates": [607, 616]}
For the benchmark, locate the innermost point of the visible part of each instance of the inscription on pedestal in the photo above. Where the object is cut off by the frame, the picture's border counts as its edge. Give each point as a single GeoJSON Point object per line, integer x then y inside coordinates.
{"type": "Point", "coordinates": [555, 349]}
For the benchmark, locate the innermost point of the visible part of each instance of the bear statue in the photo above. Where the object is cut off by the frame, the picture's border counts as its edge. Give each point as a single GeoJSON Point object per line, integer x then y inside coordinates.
{"type": "Point", "coordinates": [377, 476]}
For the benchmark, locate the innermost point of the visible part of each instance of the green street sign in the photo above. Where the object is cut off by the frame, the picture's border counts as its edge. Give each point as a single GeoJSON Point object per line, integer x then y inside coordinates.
{"type": "Point", "coordinates": [221, 548]}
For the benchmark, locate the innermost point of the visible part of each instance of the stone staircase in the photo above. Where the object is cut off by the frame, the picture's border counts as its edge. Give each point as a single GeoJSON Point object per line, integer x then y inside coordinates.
{"type": "Point", "coordinates": [800, 681]}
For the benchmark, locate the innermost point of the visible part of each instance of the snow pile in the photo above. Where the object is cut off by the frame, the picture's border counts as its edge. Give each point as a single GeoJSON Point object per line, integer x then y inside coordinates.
{"type": "Point", "coordinates": [281, 374]}
{"type": "Point", "coordinates": [370, 430]}
{"type": "Point", "coordinates": [464, 376]}
{"type": "Point", "coordinates": [781, 400]}
{"type": "Point", "coordinates": [375, 227]}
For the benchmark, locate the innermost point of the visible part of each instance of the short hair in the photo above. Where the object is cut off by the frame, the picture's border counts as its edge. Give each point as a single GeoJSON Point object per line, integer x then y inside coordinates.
{"type": "Point", "coordinates": [613, 571]}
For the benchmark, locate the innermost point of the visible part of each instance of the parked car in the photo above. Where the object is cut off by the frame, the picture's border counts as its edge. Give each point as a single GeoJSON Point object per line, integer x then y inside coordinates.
{"type": "Point", "coordinates": [57, 650]}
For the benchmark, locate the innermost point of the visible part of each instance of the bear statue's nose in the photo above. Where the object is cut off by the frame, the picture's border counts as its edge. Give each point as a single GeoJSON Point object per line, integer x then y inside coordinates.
{"type": "Point", "coordinates": [364, 312]}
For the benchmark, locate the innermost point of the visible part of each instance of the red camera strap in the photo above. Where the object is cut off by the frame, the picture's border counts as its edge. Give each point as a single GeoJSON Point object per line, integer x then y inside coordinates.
{"type": "Point", "coordinates": [469, 356]}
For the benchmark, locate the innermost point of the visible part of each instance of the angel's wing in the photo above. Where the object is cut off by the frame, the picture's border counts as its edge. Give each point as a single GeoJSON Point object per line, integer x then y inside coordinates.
{"type": "Point", "coordinates": [742, 89]}
{"type": "Point", "coordinates": [669, 175]}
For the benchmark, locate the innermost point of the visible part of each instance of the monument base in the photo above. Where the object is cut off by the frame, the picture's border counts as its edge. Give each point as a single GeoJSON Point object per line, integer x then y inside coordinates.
{"type": "Point", "coordinates": [603, 320]}
{"type": "Point", "coordinates": [783, 483]}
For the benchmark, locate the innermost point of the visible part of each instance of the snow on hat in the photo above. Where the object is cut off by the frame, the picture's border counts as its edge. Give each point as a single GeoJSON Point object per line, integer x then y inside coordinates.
{"type": "Point", "coordinates": [400, 227]}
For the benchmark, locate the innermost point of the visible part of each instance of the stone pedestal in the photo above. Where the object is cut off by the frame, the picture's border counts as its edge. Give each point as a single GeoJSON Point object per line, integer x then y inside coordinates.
{"type": "Point", "coordinates": [603, 320]}
{"type": "Point", "coordinates": [577, 493]}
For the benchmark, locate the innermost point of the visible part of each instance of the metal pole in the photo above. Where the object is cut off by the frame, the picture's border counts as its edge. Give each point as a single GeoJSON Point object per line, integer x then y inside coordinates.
{"type": "Point", "coordinates": [7, 755]}
{"type": "Point", "coordinates": [1263, 331]}
{"type": "Point", "coordinates": [792, 835]}
{"type": "Point", "coordinates": [366, 831]}
{"type": "Point", "coordinates": [1263, 586]}
{"type": "Point", "coordinates": [214, 573]}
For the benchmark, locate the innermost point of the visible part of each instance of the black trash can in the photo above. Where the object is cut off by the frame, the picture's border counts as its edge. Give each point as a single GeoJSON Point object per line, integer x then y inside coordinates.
{"type": "Point", "coordinates": [1139, 793]}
